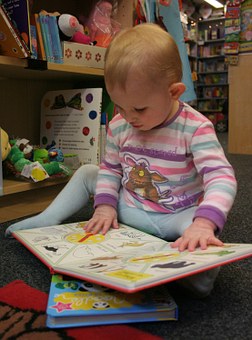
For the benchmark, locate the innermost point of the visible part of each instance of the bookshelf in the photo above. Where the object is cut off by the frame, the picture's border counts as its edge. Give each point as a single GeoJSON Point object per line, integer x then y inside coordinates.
{"type": "Point", "coordinates": [22, 85]}
{"type": "Point", "coordinates": [212, 71]}
{"type": "Point", "coordinates": [240, 119]}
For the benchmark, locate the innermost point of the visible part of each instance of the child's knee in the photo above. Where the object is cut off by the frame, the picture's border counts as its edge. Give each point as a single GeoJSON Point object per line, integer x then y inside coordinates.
{"type": "Point", "coordinates": [200, 285]}
{"type": "Point", "coordinates": [87, 172]}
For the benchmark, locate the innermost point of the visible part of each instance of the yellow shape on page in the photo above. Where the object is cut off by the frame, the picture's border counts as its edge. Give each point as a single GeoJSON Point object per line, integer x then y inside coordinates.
{"type": "Point", "coordinates": [129, 275]}
{"type": "Point", "coordinates": [154, 257]}
{"type": "Point", "coordinates": [81, 238]}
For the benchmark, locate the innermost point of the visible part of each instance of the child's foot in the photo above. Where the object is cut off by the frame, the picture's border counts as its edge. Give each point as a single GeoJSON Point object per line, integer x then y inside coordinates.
{"type": "Point", "coordinates": [28, 223]}
{"type": "Point", "coordinates": [200, 285]}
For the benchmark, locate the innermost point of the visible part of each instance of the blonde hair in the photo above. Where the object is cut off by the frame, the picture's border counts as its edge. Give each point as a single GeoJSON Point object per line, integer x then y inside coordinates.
{"type": "Point", "coordinates": [146, 49]}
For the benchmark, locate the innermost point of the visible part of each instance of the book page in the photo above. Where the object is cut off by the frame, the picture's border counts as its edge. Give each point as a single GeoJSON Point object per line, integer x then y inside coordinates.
{"type": "Point", "coordinates": [65, 244]}
{"type": "Point", "coordinates": [132, 270]}
{"type": "Point", "coordinates": [124, 258]}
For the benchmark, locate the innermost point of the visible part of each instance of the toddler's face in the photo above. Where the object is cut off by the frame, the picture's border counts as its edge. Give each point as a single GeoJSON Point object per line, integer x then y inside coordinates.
{"type": "Point", "coordinates": [143, 105]}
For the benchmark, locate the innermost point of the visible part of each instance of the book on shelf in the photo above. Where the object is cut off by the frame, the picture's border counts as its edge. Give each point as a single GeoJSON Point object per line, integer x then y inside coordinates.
{"type": "Point", "coordinates": [75, 303]}
{"type": "Point", "coordinates": [50, 36]}
{"type": "Point", "coordinates": [19, 12]}
{"type": "Point", "coordinates": [57, 54]}
{"type": "Point", "coordinates": [125, 259]}
{"type": "Point", "coordinates": [11, 42]}
{"type": "Point", "coordinates": [44, 24]}
{"type": "Point", "coordinates": [41, 47]}
{"type": "Point", "coordinates": [71, 120]}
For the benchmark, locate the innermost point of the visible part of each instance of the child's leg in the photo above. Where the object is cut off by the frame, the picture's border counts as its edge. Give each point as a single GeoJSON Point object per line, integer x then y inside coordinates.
{"type": "Point", "coordinates": [200, 284]}
{"type": "Point", "coordinates": [70, 200]}
{"type": "Point", "coordinates": [169, 227]}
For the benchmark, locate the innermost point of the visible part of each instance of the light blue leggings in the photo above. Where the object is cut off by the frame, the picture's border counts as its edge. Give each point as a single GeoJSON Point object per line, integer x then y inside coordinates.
{"type": "Point", "coordinates": [75, 195]}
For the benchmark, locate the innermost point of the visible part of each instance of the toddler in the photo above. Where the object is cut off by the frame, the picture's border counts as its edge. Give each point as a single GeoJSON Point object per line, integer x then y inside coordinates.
{"type": "Point", "coordinates": [164, 171]}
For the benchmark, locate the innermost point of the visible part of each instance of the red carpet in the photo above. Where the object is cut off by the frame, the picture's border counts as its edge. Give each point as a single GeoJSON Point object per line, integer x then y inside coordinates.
{"type": "Point", "coordinates": [22, 316]}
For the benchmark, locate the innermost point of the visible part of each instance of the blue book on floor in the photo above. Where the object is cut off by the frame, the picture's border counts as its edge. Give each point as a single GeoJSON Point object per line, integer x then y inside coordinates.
{"type": "Point", "coordinates": [74, 303]}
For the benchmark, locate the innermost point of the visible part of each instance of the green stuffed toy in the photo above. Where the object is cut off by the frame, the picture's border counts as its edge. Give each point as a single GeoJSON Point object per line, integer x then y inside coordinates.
{"type": "Point", "coordinates": [40, 169]}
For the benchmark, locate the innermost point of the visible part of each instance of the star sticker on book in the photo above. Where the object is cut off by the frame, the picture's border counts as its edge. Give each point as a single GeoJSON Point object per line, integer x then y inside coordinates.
{"type": "Point", "coordinates": [60, 306]}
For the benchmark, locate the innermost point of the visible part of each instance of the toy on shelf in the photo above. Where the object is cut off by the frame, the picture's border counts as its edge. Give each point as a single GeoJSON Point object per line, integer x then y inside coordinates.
{"type": "Point", "coordinates": [100, 24]}
{"type": "Point", "coordinates": [5, 145]}
{"type": "Point", "coordinates": [34, 163]}
{"type": "Point", "coordinates": [70, 29]}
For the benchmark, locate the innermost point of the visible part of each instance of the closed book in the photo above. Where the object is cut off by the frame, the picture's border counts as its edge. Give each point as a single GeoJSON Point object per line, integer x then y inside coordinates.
{"type": "Point", "coordinates": [45, 34]}
{"type": "Point", "coordinates": [75, 303]}
{"type": "Point", "coordinates": [55, 40]}
{"type": "Point", "coordinates": [19, 12]}
{"type": "Point", "coordinates": [41, 48]}
{"type": "Point", "coordinates": [11, 43]}
{"type": "Point", "coordinates": [34, 42]}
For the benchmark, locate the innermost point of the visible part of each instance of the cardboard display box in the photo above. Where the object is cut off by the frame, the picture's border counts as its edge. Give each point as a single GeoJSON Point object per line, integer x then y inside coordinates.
{"type": "Point", "coordinates": [84, 55]}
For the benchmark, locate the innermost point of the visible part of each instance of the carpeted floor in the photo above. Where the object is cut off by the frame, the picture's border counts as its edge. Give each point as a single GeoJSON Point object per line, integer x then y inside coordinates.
{"type": "Point", "coordinates": [225, 314]}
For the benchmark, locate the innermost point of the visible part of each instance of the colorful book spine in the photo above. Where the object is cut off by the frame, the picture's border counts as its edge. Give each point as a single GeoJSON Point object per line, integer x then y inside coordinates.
{"type": "Point", "coordinates": [45, 35]}
{"type": "Point", "coordinates": [19, 49]}
{"type": "Point", "coordinates": [55, 40]}
{"type": "Point", "coordinates": [41, 48]}
{"type": "Point", "coordinates": [34, 42]}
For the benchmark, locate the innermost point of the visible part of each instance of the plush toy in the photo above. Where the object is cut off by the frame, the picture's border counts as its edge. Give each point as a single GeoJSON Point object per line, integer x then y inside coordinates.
{"type": "Point", "coordinates": [25, 146]}
{"type": "Point", "coordinates": [41, 156]}
{"type": "Point", "coordinates": [71, 30]}
{"type": "Point", "coordinates": [55, 155]}
{"type": "Point", "coordinates": [101, 26]}
{"type": "Point", "coordinates": [38, 169]}
{"type": "Point", "coordinates": [5, 145]}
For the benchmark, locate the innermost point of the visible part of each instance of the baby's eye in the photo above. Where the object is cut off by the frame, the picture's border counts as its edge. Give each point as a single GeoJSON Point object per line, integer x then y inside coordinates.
{"type": "Point", "coordinates": [142, 109]}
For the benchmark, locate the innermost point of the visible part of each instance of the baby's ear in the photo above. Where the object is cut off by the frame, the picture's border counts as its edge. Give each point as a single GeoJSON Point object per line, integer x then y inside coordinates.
{"type": "Point", "coordinates": [176, 90]}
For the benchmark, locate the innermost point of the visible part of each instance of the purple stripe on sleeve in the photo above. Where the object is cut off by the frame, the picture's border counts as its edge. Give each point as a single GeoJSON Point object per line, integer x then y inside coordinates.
{"type": "Point", "coordinates": [213, 214]}
{"type": "Point", "coordinates": [208, 169]}
{"type": "Point", "coordinates": [105, 199]}
{"type": "Point", "coordinates": [111, 166]}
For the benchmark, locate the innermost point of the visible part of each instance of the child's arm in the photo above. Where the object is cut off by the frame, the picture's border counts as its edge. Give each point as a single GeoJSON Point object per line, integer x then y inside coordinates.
{"type": "Point", "coordinates": [199, 233]}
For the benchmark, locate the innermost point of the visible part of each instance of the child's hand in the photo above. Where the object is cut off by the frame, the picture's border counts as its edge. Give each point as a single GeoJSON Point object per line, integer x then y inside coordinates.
{"type": "Point", "coordinates": [104, 217]}
{"type": "Point", "coordinates": [199, 233]}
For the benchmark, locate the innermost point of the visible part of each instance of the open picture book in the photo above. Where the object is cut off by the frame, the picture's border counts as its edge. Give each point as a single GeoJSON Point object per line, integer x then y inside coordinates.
{"type": "Point", "coordinates": [125, 259]}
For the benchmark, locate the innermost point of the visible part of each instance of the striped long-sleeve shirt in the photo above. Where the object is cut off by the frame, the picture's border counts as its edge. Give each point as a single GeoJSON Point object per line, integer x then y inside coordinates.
{"type": "Point", "coordinates": [172, 167]}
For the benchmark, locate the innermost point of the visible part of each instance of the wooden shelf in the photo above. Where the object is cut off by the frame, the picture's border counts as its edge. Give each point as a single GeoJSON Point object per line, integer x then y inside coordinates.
{"type": "Point", "coordinates": [211, 41]}
{"type": "Point", "coordinates": [23, 198]}
{"type": "Point", "coordinates": [27, 203]}
{"type": "Point", "coordinates": [212, 98]}
{"type": "Point", "coordinates": [211, 85]}
{"type": "Point", "coordinates": [212, 57]}
{"type": "Point", "coordinates": [211, 111]}
{"type": "Point", "coordinates": [211, 20]}
{"type": "Point", "coordinates": [19, 68]}
{"type": "Point", "coordinates": [213, 72]}
{"type": "Point", "coordinates": [13, 186]}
